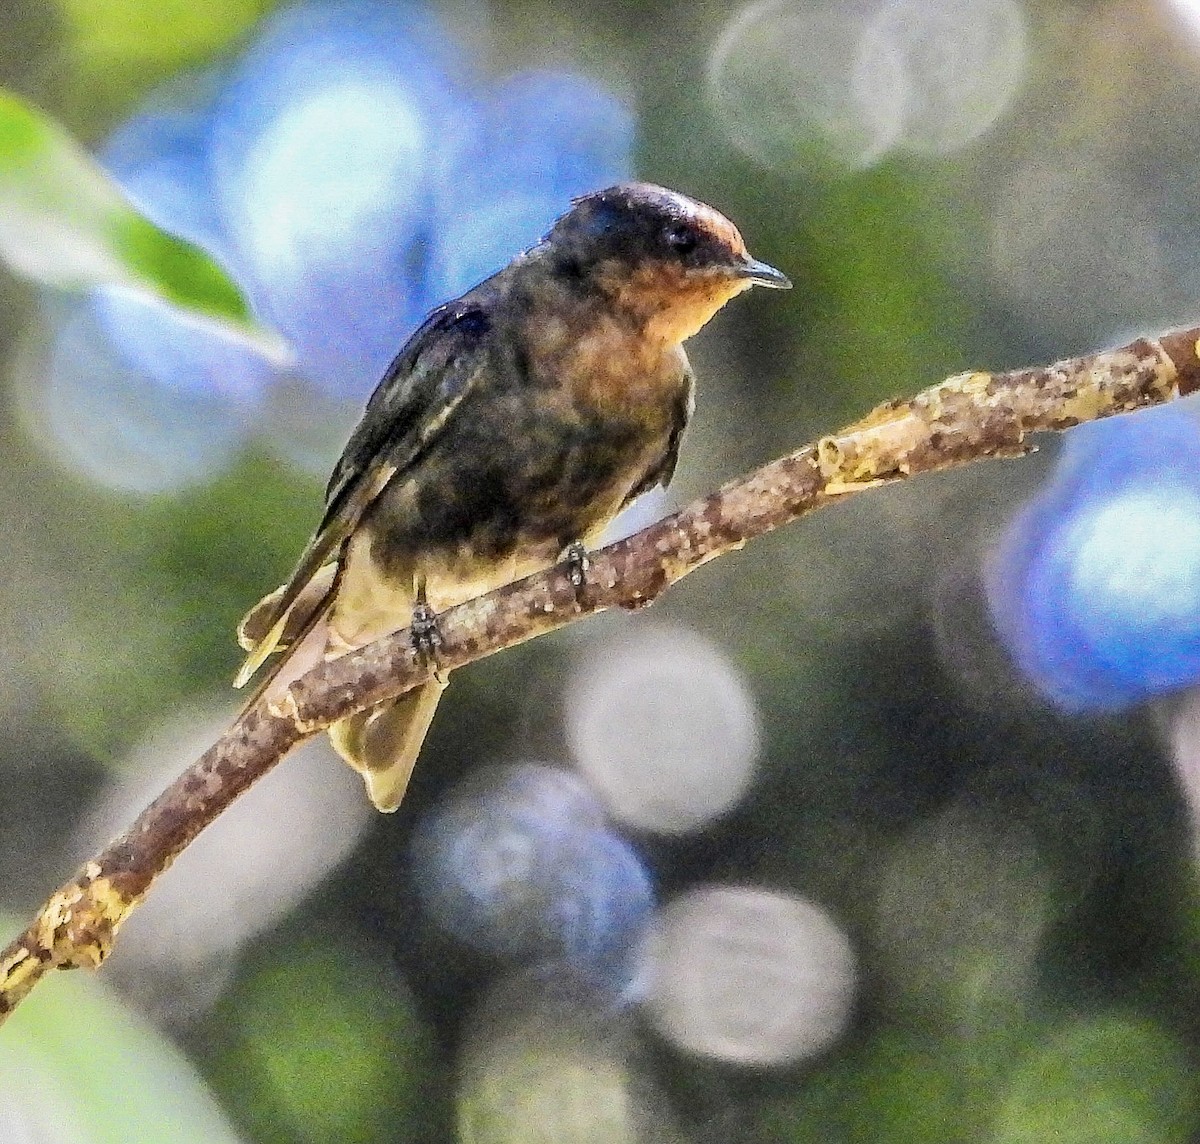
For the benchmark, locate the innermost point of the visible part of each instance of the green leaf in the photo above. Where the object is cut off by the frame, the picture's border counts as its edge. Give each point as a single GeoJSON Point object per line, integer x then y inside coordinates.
{"type": "Point", "coordinates": [65, 223]}
{"type": "Point", "coordinates": [158, 34]}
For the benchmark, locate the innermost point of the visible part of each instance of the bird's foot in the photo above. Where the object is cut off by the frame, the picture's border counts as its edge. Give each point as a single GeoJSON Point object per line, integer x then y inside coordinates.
{"type": "Point", "coordinates": [577, 562]}
{"type": "Point", "coordinates": [426, 639]}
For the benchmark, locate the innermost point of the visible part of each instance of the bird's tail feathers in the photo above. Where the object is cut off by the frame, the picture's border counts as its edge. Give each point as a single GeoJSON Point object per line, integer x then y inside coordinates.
{"type": "Point", "coordinates": [259, 652]}
{"type": "Point", "coordinates": [382, 743]}
{"type": "Point", "coordinates": [266, 628]}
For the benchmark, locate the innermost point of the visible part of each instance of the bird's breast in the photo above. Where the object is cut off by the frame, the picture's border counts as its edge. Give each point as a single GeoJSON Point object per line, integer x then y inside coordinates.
{"type": "Point", "coordinates": [606, 366]}
{"type": "Point", "coordinates": [545, 450]}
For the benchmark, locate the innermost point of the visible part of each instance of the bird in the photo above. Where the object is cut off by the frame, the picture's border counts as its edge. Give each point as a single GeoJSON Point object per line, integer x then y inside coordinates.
{"type": "Point", "coordinates": [506, 434]}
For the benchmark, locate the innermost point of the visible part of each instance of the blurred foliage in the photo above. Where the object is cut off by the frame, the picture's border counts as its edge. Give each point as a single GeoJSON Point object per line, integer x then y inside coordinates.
{"type": "Point", "coordinates": [121, 34]}
{"type": "Point", "coordinates": [1018, 883]}
{"type": "Point", "coordinates": [162, 584]}
{"type": "Point", "coordinates": [316, 1043]}
{"type": "Point", "coordinates": [66, 225]}
{"type": "Point", "coordinates": [78, 1065]}
{"type": "Point", "coordinates": [118, 48]}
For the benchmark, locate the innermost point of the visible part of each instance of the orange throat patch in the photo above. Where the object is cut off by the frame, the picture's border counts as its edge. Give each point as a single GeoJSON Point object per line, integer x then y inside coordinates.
{"type": "Point", "coordinates": [674, 304]}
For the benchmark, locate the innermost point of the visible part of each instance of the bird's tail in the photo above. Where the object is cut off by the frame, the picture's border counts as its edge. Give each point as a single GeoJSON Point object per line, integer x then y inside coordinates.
{"type": "Point", "coordinates": [383, 742]}
{"type": "Point", "coordinates": [272, 626]}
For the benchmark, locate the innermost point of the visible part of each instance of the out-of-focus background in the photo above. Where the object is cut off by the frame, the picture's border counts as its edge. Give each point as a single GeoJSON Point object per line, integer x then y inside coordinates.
{"type": "Point", "coordinates": [882, 829]}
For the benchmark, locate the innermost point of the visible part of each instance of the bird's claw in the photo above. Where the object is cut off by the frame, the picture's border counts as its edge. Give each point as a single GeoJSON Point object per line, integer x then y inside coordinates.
{"type": "Point", "coordinates": [426, 639]}
{"type": "Point", "coordinates": [578, 562]}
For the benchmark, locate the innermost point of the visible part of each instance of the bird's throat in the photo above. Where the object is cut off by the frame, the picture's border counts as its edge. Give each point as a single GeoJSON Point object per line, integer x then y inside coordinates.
{"type": "Point", "coordinates": [671, 304]}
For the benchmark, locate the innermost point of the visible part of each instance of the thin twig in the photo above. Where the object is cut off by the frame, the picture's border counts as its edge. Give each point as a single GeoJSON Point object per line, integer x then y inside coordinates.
{"type": "Point", "coordinates": [966, 418]}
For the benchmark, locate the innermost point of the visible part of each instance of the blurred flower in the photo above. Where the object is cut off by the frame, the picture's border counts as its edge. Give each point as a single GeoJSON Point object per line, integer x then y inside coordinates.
{"type": "Point", "coordinates": [350, 176]}
{"type": "Point", "coordinates": [518, 864]}
{"type": "Point", "coordinates": [664, 727]}
{"type": "Point", "coordinates": [553, 1063]}
{"type": "Point", "coordinates": [962, 63]}
{"type": "Point", "coordinates": [748, 976]}
{"type": "Point", "coordinates": [1095, 585]}
{"type": "Point", "coordinates": [864, 78]}
{"type": "Point", "coordinates": [321, 146]}
{"type": "Point", "coordinates": [509, 164]}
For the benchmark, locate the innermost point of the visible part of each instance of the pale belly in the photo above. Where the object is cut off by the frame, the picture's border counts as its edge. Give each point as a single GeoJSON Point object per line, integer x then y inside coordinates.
{"type": "Point", "coordinates": [371, 605]}
{"type": "Point", "coordinates": [460, 556]}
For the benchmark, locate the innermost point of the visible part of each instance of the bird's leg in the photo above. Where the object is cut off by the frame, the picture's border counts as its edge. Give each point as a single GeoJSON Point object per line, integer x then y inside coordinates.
{"type": "Point", "coordinates": [425, 635]}
{"type": "Point", "coordinates": [577, 562]}
{"type": "Point", "coordinates": [576, 558]}
{"type": "Point", "coordinates": [426, 639]}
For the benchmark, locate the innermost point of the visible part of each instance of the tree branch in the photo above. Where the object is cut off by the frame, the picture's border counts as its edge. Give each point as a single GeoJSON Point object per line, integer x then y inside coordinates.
{"type": "Point", "coordinates": [966, 418]}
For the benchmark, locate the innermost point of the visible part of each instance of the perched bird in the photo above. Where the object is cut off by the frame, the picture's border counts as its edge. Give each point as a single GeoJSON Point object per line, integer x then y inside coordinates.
{"type": "Point", "coordinates": [512, 427]}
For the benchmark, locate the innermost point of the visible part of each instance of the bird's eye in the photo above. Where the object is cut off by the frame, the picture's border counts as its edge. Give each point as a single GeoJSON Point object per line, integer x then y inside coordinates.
{"type": "Point", "coordinates": [681, 237]}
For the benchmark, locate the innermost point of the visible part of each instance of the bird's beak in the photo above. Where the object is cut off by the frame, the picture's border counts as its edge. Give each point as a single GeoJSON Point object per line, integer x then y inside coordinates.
{"type": "Point", "coordinates": [760, 274]}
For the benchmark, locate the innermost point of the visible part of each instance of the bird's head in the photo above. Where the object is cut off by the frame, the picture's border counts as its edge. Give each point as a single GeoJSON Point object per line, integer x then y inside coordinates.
{"type": "Point", "coordinates": [664, 259]}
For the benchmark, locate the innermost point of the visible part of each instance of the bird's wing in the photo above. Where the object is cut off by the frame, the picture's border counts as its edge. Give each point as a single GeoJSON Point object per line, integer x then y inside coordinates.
{"type": "Point", "coordinates": [428, 380]}
{"type": "Point", "coordinates": [661, 472]}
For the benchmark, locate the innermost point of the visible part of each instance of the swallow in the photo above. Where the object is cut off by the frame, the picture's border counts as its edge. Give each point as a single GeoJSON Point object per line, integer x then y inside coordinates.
{"type": "Point", "coordinates": [514, 424]}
